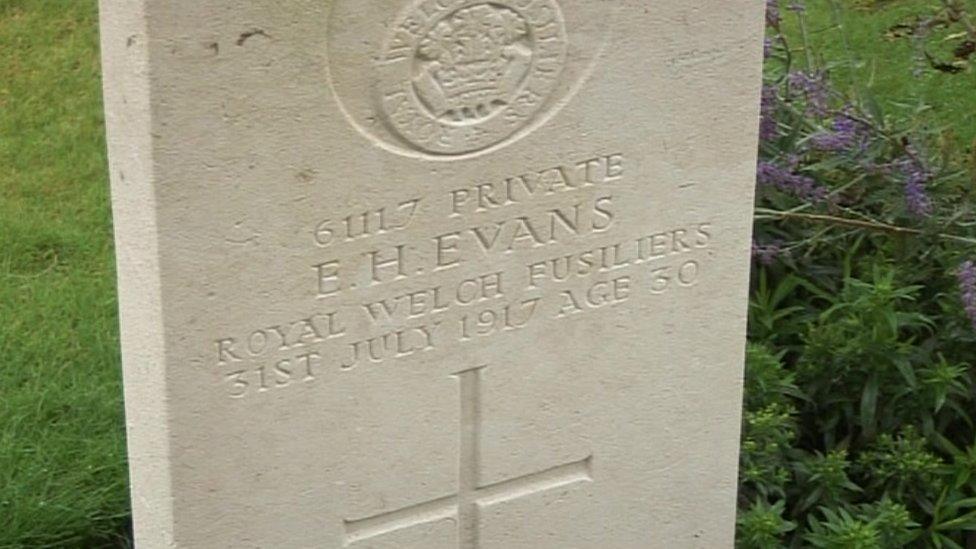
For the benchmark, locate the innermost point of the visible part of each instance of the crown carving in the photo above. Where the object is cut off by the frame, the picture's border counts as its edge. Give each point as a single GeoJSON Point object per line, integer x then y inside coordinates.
{"type": "Point", "coordinates": [470, 56]}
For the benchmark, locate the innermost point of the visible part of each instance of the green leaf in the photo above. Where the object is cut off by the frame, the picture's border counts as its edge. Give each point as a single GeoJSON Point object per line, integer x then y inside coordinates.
{"type": "Point", "coordinates": [906, 370]}
{"type": "Point", "coordinates": [869, 405]}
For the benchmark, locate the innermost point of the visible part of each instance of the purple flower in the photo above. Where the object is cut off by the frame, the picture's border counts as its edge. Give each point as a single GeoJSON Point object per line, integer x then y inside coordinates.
{"type": "Point", "coordinates": [772, 13]}
{"type": "Point", "coordinates": [766, 254]}
{"type": "Point", "coordinates": [916, 198]}
{"type": "Point", "coordinates": [916, 177]}
{"type": "Point", "coordinates": [767, 48]}
{"type": "Point", "coordinates": [813, 87]}
{"type": "Point", "coordinates": [967, 287]}
{"type": "Point", "coordinates": [786, 180]}
{"type": "Point", "coordinates": [847, 135]}
{"type": "Point", "coordinates": [768, 126]}
{"type": "Point", "coordinates": [793, 161]}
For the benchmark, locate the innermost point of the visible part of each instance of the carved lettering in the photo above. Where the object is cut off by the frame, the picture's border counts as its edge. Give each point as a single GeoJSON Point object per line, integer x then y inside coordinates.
{"type": "Point", "coordinates": [396, 293]}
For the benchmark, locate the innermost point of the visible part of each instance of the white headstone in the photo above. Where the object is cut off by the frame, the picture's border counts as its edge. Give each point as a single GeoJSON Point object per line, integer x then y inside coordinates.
{"type": "Point", "coordinates": [433, 273]}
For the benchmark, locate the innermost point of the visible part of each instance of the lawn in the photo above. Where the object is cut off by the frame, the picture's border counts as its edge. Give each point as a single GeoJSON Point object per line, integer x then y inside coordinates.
{"type": "Point", "coordinates": [62, 465]}
{"type": "Point", "coordinates": [869, 48]}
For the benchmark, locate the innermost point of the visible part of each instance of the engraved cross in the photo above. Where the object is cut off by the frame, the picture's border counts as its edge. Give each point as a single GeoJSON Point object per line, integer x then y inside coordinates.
{"type": "Point", "coordinates": [464, 507]}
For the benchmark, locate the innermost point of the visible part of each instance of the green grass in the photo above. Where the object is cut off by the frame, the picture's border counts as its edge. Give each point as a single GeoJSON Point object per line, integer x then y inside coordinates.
{"type": "Point", "coordinates": [62, 466]}
{"type": "Point", "coordinates": [852, 39]}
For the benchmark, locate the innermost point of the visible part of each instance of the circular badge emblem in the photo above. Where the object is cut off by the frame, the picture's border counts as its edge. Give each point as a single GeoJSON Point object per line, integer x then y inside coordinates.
{"type": "Point", "coordinates": [452, 77]}
{"type": "Point", "coordinates": [459, 79]}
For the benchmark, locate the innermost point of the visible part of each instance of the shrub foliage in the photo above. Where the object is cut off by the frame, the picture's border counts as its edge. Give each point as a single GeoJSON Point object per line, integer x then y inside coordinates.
{"type": "Point", "coordinates": [858, 427]}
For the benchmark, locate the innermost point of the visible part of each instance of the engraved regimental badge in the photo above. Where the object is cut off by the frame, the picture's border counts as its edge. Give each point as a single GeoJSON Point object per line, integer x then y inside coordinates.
{"type": "Point", "coordinates": [448, 77]}
{"type": "Point", "coordinates": [458, 76]}
{"type": "Point", "coordinates": [454, 78]}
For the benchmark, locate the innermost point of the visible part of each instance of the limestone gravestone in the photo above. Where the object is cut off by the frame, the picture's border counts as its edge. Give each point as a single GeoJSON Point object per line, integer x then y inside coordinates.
{"type": "Point", "coordinates": [433, 273]}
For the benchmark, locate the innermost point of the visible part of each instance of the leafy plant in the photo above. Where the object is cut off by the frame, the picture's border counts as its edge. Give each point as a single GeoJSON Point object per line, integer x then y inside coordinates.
{"type": "Point", "coordinates": [860, 391]}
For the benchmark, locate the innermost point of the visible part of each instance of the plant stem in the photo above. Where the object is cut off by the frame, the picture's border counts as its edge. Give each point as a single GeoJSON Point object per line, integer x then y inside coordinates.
{"type": "Point", "coordinates": [763, 213]}
{"type": "Point", "coordinates": [805, 38]}
{"type": "Point", "coordinates": [837, 17]}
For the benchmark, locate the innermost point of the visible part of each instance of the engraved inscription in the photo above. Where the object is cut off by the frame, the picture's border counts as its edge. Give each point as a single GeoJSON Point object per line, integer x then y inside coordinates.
{"type": "Point", "coordinates": [374, 304]}
{"type": "Point", "coordinates": [460, 76]}
{"type": "Point", "coordinates": [465, 506]}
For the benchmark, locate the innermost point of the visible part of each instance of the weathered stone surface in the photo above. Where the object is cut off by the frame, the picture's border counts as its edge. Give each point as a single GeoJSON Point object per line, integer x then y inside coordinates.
{"type": "Point", "coordinates": [439, 273]}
